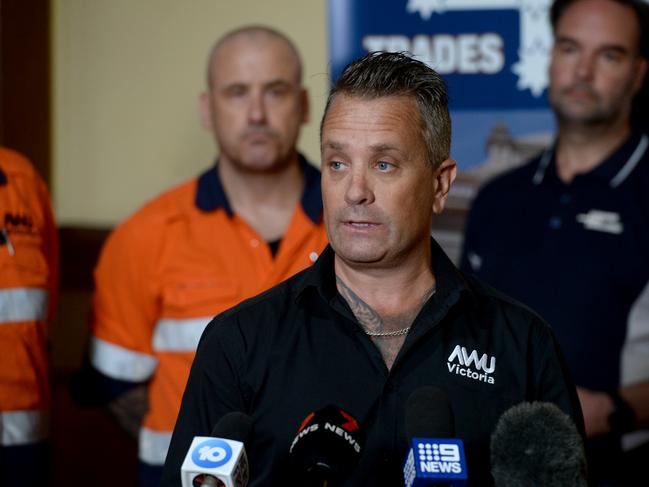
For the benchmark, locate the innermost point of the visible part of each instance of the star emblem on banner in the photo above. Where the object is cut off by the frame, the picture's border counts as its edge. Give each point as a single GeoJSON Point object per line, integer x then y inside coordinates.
{"type": "Point", "coordinates": [426, 8]}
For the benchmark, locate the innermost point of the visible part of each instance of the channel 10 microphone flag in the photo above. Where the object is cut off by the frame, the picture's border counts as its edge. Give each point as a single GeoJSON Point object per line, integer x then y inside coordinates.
{"type": "Point", "coordinates": [494, 56]}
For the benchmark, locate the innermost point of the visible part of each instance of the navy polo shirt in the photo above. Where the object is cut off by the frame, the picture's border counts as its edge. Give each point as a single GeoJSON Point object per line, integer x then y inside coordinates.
{"type": "Point", "coordinates": [210, 193]}
{"type": "Point", "coordinates": [576, 253]}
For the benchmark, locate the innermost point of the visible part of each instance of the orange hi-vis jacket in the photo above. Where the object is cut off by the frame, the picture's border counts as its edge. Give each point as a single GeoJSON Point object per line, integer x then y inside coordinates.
{"type": "Point", "coordinates": [166, 271]}
{"type": "Point", "coordinates": [28, 283]}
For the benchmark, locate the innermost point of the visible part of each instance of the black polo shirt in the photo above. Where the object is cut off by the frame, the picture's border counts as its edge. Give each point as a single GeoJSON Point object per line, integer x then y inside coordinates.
{"type": "Point", "coordinates": [576, 253]}
{"type": "Point", "coordinates": [298, 347]}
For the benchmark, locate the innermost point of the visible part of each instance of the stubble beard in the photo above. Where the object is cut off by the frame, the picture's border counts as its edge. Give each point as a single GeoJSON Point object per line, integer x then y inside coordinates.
{"type": "Point", "coordinates": [599, 114]}
{"type": "Point", "coordinates": [262, 160]}
{"type": "Point", "coordinates": [354, 251]}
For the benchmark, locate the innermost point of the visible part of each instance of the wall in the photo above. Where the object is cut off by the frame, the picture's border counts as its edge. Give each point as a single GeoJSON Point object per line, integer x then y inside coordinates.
{"type": "Point", "coordinates": [126, 79]}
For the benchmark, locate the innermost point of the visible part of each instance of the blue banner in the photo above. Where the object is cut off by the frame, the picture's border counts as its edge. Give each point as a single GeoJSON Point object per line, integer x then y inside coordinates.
{"type": "Point", "coordinates": [492, 53]}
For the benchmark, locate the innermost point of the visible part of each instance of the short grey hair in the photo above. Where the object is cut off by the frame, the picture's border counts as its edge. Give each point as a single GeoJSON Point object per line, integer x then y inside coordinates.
{"type": "Point", "coordinates": [384, 74]}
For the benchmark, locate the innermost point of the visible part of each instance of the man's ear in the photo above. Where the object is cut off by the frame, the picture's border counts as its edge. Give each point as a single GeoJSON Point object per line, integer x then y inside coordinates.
{"type": "Point", "coordinates": [640, 75]}
{"type": "Point", "coordinates": [305, 105]}
{"type": "Point", "coordinates": [445, 175]}
{"type": "Point", "coordinates": [205, 109]}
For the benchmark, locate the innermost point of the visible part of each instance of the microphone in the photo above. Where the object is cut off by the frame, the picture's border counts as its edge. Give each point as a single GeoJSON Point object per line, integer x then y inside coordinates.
{"type": "Point", "coordinates": [435, 456]}
{"type": "Point", "coordinates": [537, 444]}
{"type": "Point", "coordinates": [327, 447]}
{"type": "Point", "coordinates": [219, 460]}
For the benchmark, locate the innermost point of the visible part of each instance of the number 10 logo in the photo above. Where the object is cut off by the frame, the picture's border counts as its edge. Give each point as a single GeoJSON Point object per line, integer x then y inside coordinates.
{"type": "Point", "coordinates": [212, 453]}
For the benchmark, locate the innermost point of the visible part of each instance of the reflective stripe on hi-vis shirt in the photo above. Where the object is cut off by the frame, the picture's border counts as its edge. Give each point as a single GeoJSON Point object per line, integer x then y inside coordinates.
{"type": "Point", "coordinates": [154, 446]}
{"type": "Point", "coordinates": [22, 427]}
{"type": "Point", "coordinates": [119, 362]}
{"type": "Point", "coordinates": [178, 335]}
{"type": "Point", "coordinates": [22, 304]}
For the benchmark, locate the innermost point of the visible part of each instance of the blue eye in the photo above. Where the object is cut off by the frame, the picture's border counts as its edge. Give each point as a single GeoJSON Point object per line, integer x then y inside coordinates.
{"type": "Point", "coordinates": [384, 166]}
{"type": "Point", "coordinates": [336, 165]}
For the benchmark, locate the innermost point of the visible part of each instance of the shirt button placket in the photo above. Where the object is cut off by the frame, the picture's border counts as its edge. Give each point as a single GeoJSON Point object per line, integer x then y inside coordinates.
{"type": "Point", "coordinates": [556, 220]}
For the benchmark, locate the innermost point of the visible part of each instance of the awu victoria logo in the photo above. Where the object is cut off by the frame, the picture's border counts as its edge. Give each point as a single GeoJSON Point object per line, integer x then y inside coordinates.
{"type": "Point", "coordinates": [212, 453]}
{"type": "Point", "coordinates": [471, 365]}
{"type": "Point", "coordinates": [493, 54]}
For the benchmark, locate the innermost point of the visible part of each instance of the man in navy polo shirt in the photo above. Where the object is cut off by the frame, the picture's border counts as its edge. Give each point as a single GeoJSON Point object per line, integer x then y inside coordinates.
{"type": "Point", "coordinates": [568, 233]}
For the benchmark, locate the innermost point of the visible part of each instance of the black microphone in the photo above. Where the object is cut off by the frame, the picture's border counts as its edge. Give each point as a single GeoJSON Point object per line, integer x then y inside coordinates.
{"type": "Point", "coordinates": [537, 444]}
{"type": "Point", "coordinates": [327, 447]}
{"type": "Point", "coordinates": [429, 413]}
{"type": "Point", "coordinates": [219, 460]}
{"type": "Point", "coordinates": [435, 456]}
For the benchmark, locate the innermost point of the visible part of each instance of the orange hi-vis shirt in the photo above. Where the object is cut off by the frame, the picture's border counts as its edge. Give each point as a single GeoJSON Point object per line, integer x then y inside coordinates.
{"type": "Point", "coordinates": [165, 272]}
{"type": "Point", "coordinates": [28, 285]}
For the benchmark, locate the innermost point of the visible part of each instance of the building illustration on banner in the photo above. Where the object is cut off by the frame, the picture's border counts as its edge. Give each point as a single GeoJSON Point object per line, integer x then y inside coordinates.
{"type": "Point", "coordinates": [503, 150]}
{"type": "Point", "coordinates": [494, 57]}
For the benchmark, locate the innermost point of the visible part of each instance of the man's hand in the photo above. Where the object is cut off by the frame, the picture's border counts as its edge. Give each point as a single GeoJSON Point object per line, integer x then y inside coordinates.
{"type": "Point", "coordinates": [129, 409]}
{"type": "Point", "coordinates": [596, 407]}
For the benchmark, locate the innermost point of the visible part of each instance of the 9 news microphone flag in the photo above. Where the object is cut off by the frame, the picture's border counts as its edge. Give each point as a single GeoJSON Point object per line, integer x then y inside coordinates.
{"type": "Point", "coordinates": [435, 457]}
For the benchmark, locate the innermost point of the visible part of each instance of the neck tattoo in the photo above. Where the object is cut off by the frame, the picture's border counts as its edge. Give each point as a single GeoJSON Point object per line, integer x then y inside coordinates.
{"type": "Point", "coordinates": [371, 322]}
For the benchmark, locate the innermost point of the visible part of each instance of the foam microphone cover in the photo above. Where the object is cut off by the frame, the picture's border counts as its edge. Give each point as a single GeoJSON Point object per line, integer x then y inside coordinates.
{"type": "Point", "coordinates": [537, 444]}
{"type": "Point", "coordinates": [328, 445]}
{"type": "Point", "coordinates": [429, 414]}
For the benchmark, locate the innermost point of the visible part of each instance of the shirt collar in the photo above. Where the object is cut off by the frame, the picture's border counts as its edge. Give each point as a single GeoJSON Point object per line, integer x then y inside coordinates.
{"type": "Point", "coordinates": [210, 194]}
{"type": "Point", "coordinates": [321, 276]}
{"type": "Point", "coordinates": [614, 169]}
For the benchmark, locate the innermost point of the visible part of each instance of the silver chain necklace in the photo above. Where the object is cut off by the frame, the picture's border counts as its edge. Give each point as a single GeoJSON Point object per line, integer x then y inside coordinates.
{"type": "Point", "coordinates": [396, 333]}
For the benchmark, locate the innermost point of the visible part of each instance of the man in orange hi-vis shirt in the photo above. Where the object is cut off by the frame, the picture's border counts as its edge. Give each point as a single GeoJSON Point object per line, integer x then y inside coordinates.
{"type": "Point", "coordinates": [247, 223]}
{"type": "Point", "coordinates": [28, 284]}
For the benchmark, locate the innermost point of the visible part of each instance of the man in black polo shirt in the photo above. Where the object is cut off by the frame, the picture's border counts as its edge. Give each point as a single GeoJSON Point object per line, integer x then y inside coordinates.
{"type": "Point", "coordinates": [382, 312]}
{"type": "Point", "coordinates": [568, 233]}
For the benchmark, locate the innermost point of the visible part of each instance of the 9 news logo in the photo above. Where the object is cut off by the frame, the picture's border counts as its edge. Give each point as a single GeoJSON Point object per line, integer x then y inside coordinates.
{"type": "Point", "coordinates": [440, 457]}
{"type": "Point", "coordinates": [212, 453]}
{"type": "Point", "coordinates": [439, 452]}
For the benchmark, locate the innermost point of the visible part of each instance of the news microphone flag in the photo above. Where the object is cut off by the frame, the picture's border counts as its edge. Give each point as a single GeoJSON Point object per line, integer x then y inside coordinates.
{"type": "Point", "coordinates": [435, 456]}
{"type": "Point", "coordinates": [327, 447]}
{"type": "Point", "coordinates": [224, 459]}
{"type": "Point", "coordinates": [435, 461]}
{"type": "Point", "coordinates": [219, 460]}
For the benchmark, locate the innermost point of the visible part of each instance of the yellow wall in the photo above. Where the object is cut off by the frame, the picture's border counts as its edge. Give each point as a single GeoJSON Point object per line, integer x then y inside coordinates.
{"type": "Point", "coordinates": [127, 74]}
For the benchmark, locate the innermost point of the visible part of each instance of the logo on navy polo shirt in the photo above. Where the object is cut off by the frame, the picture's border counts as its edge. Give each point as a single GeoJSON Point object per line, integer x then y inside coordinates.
{"type": "Point", "coordinates": [472, 365]}
{"type": "Point", "coordinates": [601, 221]}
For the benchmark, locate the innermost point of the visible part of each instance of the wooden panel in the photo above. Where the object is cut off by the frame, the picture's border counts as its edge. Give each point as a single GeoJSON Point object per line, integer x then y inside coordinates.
{"type": "Point", "coordinates": [80, 249]}
{"type": "Point", "coordinates": [85, 439]}
{"type": "Point", "coordinates": [25, 80]}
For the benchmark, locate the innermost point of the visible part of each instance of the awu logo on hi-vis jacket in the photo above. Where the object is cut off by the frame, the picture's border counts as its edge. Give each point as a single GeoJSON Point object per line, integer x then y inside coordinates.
{"type": "Point", "coordinates": [18, 223]}
{"type": "Point", "coordinates": [471, 365]}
